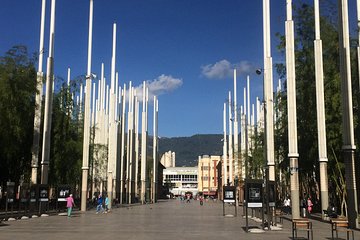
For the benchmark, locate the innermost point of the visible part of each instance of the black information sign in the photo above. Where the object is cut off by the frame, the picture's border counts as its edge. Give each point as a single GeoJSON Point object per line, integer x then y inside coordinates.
{"type": "Point", "coordinates": [24, 192]}
{"type": "Point", "coordinates": [10, 192]}
{"type": "Point", "coordinates": [63, 191]}
{"type": "Point", "coordinates": [43, 193]}
{"type": "Point", "coordinates": [254, 193]}
{"type": "Point", "coordinates": [33, 193]}
{"type": "Point", "coordinates": [229, 194]}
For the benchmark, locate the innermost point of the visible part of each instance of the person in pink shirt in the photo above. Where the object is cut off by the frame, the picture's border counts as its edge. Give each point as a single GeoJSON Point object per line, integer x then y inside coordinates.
{"type": "Point", "coordinates": [69, 204]}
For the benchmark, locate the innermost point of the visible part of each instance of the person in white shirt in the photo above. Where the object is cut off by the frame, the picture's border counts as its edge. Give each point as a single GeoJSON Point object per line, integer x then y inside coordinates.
{"type": "Point", "coordinates": [287, 205]}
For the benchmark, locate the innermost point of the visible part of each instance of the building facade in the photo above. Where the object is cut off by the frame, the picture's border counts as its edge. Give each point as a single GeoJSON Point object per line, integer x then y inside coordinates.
{"type": "Point", "coordinates": [208, 182]}
{"type": "Point", "coordinates": [181, 179]}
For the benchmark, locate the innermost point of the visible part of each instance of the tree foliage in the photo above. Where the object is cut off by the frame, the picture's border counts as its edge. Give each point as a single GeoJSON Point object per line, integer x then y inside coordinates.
{"type": "Point", "coordinates": [306, 100]}
{"type": "Point", "coordinates": [17, 97]}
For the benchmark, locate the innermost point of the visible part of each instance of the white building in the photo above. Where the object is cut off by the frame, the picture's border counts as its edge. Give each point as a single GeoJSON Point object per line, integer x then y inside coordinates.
{"type": "Point", "coordinates": [182, 179]}
{"type": "Point", "coordinates": [168, 159]}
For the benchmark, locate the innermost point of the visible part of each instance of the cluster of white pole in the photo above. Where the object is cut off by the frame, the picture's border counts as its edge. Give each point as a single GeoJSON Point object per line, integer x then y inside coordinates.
{"type": "Point", "coordinates": [117, 154]}
{"type": "Point", "coordinates": [119, 159]}
{"type": "Point", "coordinates": [235, 156]}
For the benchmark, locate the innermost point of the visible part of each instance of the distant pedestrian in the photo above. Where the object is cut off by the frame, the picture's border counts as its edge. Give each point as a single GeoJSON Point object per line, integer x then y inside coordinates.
{"type": "Point", "coordinates": [309, 205]}
{"type": "Point", "coordinates": [107, 204]}
{"type": "Point", "coordinates": [287, 205]}
{"type": "Point", "coordinates": [70, 204]}
{"type": "Point", "coordinates": [201, 198]}
{"type": "Point", "coordinates": [99, 205]}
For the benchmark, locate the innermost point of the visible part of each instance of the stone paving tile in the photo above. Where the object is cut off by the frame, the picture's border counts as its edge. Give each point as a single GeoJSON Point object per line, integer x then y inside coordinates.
{"type": "Point", "coordinates": [165, 220]}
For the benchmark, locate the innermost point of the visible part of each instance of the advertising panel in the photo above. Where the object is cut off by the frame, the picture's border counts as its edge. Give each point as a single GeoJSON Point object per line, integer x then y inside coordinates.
{"type": "Point", "coordinates": [254, 192]}
{"type": "Point", "coordinates": [10, 192]}
{"type": "Point", "coordinates": [63, 191]}
{"type": "Point", "coordinates": [43, 193]}
{"type": "Point", "coordinates": [229, 194]}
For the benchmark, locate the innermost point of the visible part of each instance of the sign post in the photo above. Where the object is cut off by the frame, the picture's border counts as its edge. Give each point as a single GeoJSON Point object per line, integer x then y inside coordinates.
{"type": "Point", "coordinates": [43, 191]}
{"type": "Point", "coordinates": [10, 195]}
{"type": "Point", "coordinates": [63, 191]}
{"type": "Point", "coordinates": [24, 197]}
{"type": "Point", "coordinates": [254, 197]}
{"type": "Point", "coordinates": [229, 196]}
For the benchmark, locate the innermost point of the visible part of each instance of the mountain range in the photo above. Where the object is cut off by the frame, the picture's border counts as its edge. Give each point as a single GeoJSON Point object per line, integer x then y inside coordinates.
{"type": "Point", "coordinates": [188, 149]}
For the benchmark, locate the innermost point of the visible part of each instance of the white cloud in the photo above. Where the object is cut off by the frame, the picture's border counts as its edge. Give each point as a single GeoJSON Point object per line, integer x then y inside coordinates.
{"type": "Point", "coordinates": [224, 69]}
{"type": "Point", "coordinates": [161, 85]}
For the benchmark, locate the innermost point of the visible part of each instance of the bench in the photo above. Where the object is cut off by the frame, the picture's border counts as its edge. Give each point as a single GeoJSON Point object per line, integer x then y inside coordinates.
{"type": "Point", "coordinates": [341, 225]}
{"type": "Point", "coordinates": [302, 224]}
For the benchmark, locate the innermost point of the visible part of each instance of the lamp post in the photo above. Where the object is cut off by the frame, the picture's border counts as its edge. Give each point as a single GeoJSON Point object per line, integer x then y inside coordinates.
{"type": "Point", "coordinates": [320, 109]}
{"type": "Point", "coordinates": [292, 123]}
{"type": "Point", "coordinates": [86, 140]}
{"type": "Point", "coordinates": [347, 116]}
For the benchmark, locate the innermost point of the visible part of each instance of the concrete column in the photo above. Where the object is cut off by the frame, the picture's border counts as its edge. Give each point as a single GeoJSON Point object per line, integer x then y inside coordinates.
{"type": "Point", "coordinates": [112, 133]}
{"type": "Point", "coordinates": [143, 146]}
{"type": "Point", "coordinates": [236, 132]}
{"type": "Point", "coordinates": [347, 115]}
{"type": "Point", "coordinates": [48, 101]}
{"type": "Point", "coordinates": [136, 146]}
{"type": "Point", "coordinates": [129, 147]}
{"type": "Point", "coordinates": [225, 179]}
{"type": "Point", "coordinates": [242, 144]}
{"type": "Point", "coordinates": [122, 153]}
{"type": "Point", "coordinates": [268, 92]}
{"type": "Point", "coordinates": [38, 101]}
{"type": "Point", "coordinates": [86, 140]}
{"type": "Point", "coordinates": [155, 151]}
{"type": "Point", "coordinates": [320, 110]}
{"type": "Point", "coordinates": [231, 180]}
{"type": "Point", "coordinates": [292, 123]}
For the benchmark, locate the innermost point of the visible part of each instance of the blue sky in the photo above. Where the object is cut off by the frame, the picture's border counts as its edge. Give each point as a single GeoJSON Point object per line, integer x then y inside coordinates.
{"type": "Point", "coordinates": [188, 47]}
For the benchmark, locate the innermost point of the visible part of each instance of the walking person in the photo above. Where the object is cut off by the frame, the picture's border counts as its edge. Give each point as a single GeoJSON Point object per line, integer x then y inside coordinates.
{"type": "Point", "coordinates": [99, 205]}
{"type": "Point", "coordinates": [201, 198]}
{"type": "Point", "coordinates": [309, 205]}
{"type": "Point", "coordinates": [107, 204]}
{"type": "Point", "coordinates": [70, 204]}
{"type": "Point", "coordinates": [287, 205]}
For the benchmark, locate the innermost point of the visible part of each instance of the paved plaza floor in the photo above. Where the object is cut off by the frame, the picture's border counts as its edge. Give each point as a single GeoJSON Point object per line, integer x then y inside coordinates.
{"type": "Point", "coordinates": [169, 219]}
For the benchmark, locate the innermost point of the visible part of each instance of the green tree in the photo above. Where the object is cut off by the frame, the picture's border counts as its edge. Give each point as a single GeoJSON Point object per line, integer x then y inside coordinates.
{"type": "Point", "coordinates": [306, 99]}
{"type": "Point", "coordinates": [17, 100]}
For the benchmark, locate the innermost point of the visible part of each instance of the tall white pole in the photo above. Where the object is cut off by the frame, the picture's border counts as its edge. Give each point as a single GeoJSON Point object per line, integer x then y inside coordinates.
{"type": "Point", "coordinates": [112, 123]}
{"type": "Point", "coordinates": [86, 140]}
{"type": "Point", "coordinates": [320, 110]}
{"type": "Point", "coordinates": [48, 100]}
{"type": "Point", "coordinates": [225, 179]}
{"type": "Point", "coordinates": [155, 159]}
{"type": "Point", "coordinates": [236, 132]}
{"type": "Point", "coordinates": [38, 101]}
{"type": "Point", "coordinates": [268, 93]}
{"type": "Point", "coordinates": [143, 146]}
{"type": "Point", "coordinates": [248, 114]}
{"type": "Point", "coordinates": [128, 144]}
{"type": "Point", "coordinates": [230, 143]}
{"type": "Point", "coordinates": [131, 148]}
{"type": "Point", "coordinates": [122, 153]}
{"type": "Point", "coordinates": [292, 123]}
{"type": "Point", "coordinates": [136, 145]}
{"type": "Point", "coordinates": [347, 115]}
